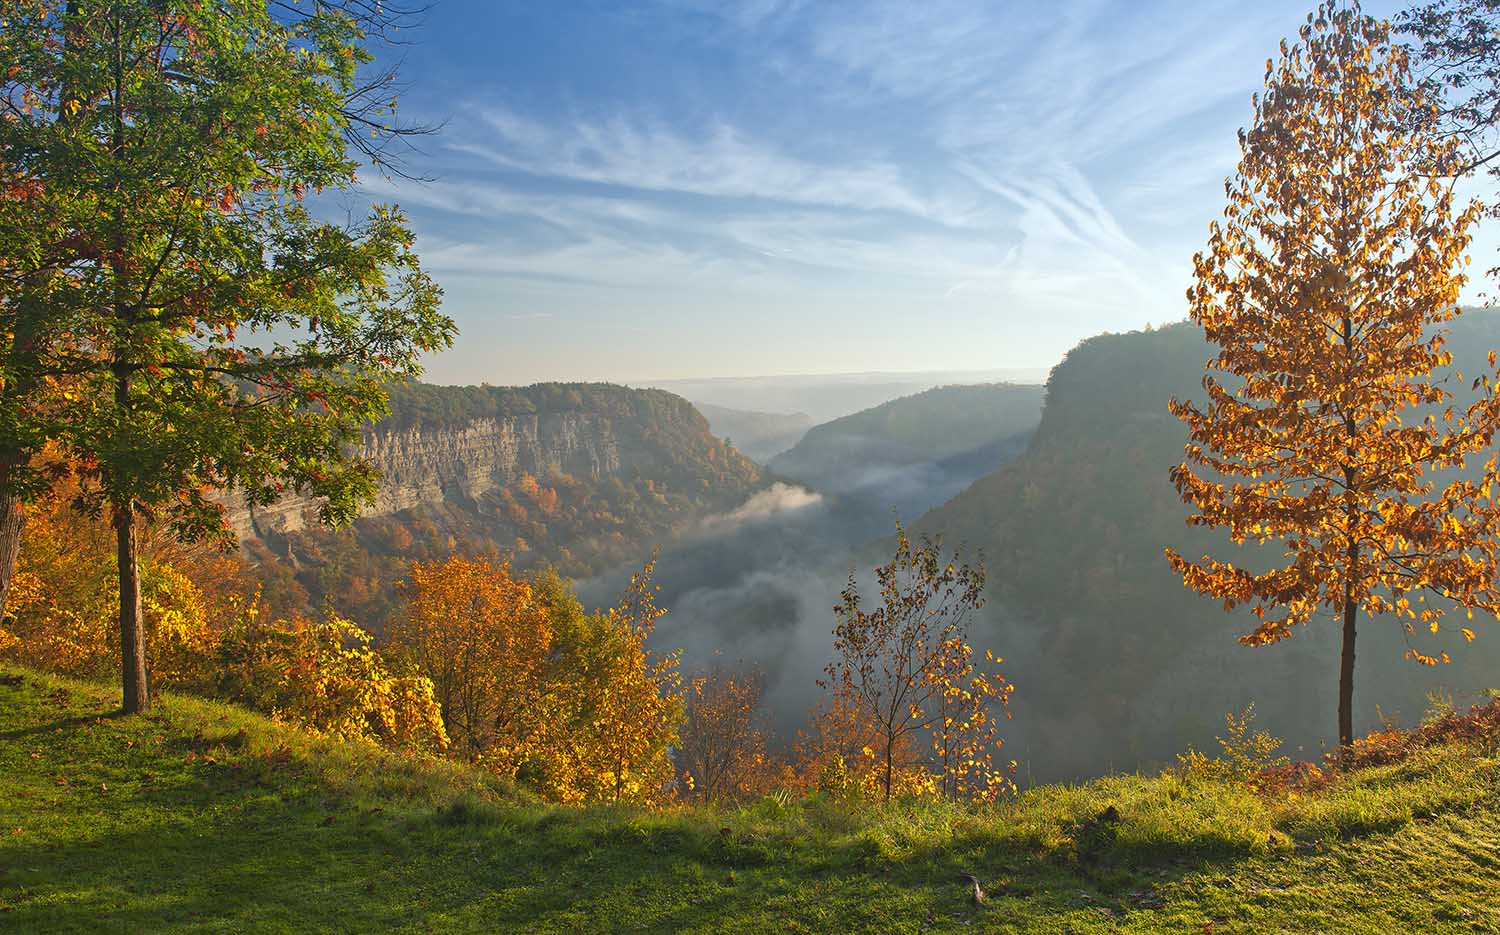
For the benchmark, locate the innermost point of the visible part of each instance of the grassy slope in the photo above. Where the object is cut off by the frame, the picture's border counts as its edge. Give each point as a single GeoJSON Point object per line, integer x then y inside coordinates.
{"type": "Point", "coordinates": [203, 818]}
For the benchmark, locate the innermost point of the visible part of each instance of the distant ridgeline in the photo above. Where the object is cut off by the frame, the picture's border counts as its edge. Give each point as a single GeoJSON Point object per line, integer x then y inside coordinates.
{"type": "Point", "coordinates": [761, 435]}
{"type": "Point", "coordinates": [1115, 663]}
{"type": "Point", "coordinates": [971, 428]}
{"type": "Point", "coordinates": [576, 475]}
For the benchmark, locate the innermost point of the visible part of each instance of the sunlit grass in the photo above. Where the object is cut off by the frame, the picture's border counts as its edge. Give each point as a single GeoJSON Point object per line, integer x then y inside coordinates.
{"type": "Point", "coordinates": [205, 818]}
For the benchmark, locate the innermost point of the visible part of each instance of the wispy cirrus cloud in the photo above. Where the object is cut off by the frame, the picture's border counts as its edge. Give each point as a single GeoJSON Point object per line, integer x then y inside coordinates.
{"type": "Point", "coordinates": [717, 161]}
{"type": "Point", "coordinates": [1023, 164]}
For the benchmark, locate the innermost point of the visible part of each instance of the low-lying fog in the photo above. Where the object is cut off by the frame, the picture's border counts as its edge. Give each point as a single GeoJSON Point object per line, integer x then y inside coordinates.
{"type": "Point", "coordinates": [756, 586]}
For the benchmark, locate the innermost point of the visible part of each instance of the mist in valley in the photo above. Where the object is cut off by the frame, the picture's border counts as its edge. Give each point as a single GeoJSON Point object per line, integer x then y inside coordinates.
{"type": "Point", "coordinates": [755, 587]}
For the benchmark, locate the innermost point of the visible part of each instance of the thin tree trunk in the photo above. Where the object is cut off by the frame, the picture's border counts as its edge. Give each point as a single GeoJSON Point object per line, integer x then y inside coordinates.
{"type": "Point", "coordinates": [1346, 677]}
{"type": "Point", "coordinates": [137, 696]}
{"type": "Point", "coordinates": [12, 521]}
{"type": "Point", "coordinates": [889, 767]}
{"type": "Point", "coordinates": [132, 627]}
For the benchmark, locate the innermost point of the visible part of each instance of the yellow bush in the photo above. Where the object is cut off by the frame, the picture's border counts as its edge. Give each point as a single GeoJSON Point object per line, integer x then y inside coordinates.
{"type": "Point", "coordinates": [62, 610]}
{"type": "Point", "coordinates": [324, 676]}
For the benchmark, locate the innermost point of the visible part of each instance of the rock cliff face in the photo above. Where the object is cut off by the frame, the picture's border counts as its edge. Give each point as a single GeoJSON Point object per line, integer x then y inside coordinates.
{"type": "Point", "coordinates": [576, 476]}
{"type": "Point", "coordinates": [440, 464]}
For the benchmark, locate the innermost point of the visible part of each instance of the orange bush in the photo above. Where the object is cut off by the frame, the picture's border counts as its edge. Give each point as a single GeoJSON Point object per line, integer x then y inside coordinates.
{"type": "Point", "coordinates": [723, 753]}
{"type": "Point", "coordinates": [483, 639]}
{"type": "Point", "coordinates": [61, 615]}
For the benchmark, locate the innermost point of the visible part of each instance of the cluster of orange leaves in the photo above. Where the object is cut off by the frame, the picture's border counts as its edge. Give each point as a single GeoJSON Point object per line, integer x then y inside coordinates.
{"type": "Point", "coordinates": [572, 703]}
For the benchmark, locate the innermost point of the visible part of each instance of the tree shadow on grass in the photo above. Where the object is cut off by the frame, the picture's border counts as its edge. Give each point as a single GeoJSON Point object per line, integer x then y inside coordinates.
{"type": "Point", "coordinates": [223, 850]}
{"type": "Point", "coordinates": [247, 846]}
{"type": "Point", "coordinates": [59, 724]}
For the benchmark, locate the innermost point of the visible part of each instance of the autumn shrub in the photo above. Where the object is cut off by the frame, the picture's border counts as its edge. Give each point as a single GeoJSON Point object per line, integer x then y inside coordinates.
{"type": "Point", "coordinates": [837, 755]}
{"type": "Point", "coordinates": [534, 688]}
{"type": "Point", "coordinates": [1478, 727]}
{"type": "Point", "coordinates": [61, 613]}
{"type": "Point", "coordinates": [324, 676]}
{"type": "Point", "coordinates": [723, 754]}
{"type": "Point", "coordinates": [1246, 755]}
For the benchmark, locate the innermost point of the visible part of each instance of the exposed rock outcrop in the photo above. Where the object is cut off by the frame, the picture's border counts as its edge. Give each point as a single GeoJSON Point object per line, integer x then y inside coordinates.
{"type": "Point", "coordinates": [428, 466]}
{"type": "Point", "coordinates": [576, 476]}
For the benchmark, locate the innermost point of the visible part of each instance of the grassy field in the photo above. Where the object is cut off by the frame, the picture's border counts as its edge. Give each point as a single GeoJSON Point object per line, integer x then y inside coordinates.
{"type": "Point", "coordinates": [204, 818]}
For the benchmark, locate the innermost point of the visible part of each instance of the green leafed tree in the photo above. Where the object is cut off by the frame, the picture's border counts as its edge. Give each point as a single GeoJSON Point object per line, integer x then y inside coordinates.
{"type": "Point", "coordinates": [179, 319]}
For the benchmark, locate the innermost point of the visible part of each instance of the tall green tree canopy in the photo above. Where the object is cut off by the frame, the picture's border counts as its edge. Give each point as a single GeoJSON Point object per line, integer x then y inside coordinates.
{"type": "Point", "coordinates": [178, 319]}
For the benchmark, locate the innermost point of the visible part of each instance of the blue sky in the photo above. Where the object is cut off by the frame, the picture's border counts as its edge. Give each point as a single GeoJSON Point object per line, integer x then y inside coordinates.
{"type": "Point", "coordinates": [687, 188]}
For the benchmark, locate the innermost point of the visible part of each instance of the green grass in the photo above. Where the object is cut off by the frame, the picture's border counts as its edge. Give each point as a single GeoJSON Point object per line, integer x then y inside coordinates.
{"type": "Point", "coordinates": [204, 818]}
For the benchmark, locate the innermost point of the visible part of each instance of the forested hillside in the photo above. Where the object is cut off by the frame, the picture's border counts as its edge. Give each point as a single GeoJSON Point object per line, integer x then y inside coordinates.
{"type": "Point", "coordinates": [573, 475]}
{"type": "Point", "coordinates": [761, 435]}
{"type": "Point", "coordinates": [1117, 663]}
{"type": "Point", "coordinates": [963, 423]}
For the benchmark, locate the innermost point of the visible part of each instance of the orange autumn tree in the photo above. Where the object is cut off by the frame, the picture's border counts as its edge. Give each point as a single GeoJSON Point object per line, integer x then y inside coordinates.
{"type": "Point", "coordinates": [905, 668]}
{"type": "Point", "coordinates": [538, 690]}
{"type": "Point", "coordinates": [722, 754]}
{"type": "Point", "coordinates": [483, 638]}
{"type": "Point", "coordinates": [1325, 289]}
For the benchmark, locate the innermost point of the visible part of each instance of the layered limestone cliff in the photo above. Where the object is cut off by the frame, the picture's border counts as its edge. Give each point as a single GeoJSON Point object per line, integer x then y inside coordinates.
{"type": "Point", "coordinates": [454, 445]}
{"type": "Point", "coordinates": [430, 466]}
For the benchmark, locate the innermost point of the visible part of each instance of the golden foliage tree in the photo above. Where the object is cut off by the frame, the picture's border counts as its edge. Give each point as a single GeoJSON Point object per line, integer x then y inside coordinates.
{"type": "Point", "coordinates": [618, 705]}
{"type": "Point", "coordinates": [483, 639]}
{"type": "Point", "coordinates": [534, 688]}
{"type": "Point", "coordinates": [723, 754]}
{"type": "Point", "coordinates": [906, 668]}
{"type": "Point", "coordinates": [1325, 289]}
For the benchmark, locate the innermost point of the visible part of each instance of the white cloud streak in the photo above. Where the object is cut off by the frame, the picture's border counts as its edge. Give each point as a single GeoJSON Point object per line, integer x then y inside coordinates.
{"type": "Point", "coordinates": [1023, 153]}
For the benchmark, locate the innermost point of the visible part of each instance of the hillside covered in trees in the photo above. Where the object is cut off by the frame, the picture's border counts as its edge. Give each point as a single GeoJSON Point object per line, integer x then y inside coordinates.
{"type": "Point", "coordinates": [915, 451]}
{"type": "Point", "coordinates": [761, 435]}
{"type": "Point", "coordinates": [1120, 665]}
{"type": "Point", "coordinates": [576, 476]}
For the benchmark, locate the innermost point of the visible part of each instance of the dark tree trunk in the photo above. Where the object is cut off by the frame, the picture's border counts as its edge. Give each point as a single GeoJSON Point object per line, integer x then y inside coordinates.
{"type": "Point", "coordinates": [1346, 678]}
{"type": "Point", "coordinates": [12, 520]}
{"type": "Point", "coordinates": [132, 627]}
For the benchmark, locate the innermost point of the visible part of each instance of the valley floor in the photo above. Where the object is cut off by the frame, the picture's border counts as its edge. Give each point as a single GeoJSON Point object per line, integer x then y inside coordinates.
{"type": "Point", "coordinates": [203, 818]}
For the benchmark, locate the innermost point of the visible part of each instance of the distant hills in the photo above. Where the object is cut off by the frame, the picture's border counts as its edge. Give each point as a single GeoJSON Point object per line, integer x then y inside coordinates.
{"type": "Point", "coordinates": [761, 435]}
{"type": "Point", "coordinates": [968, 429]}
{"type": "Point", "coordinates": [1115, 662]}
{"type": "Point", "coordinates": [824, 397]}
